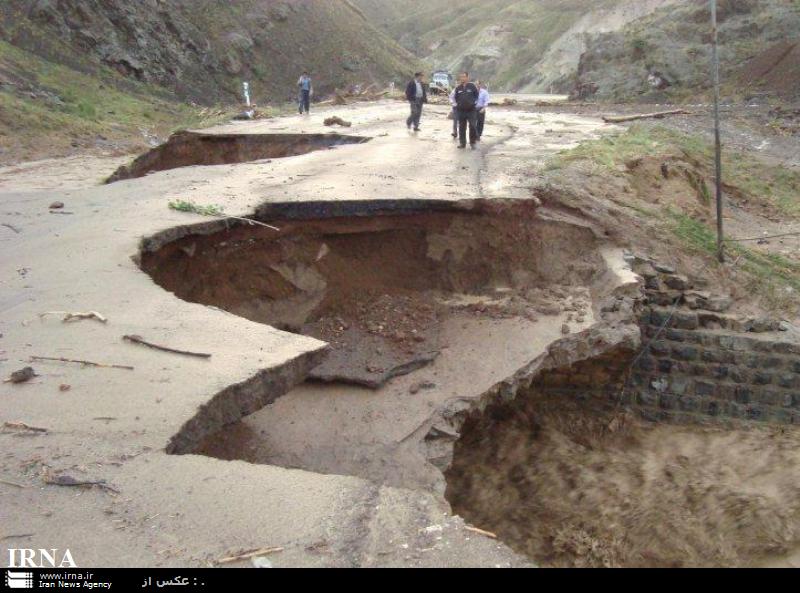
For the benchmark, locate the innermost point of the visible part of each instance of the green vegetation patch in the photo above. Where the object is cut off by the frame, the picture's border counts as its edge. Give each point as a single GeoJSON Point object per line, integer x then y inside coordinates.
{"type": "Point", "coordinates": [762, 182]}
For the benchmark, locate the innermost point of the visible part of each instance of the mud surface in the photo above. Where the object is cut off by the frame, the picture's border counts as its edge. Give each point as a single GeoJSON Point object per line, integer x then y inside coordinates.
{"type": "Point", "coordinates": [377, 289]}
{"type": "Point", "coordinates": [417, 310]}
{"type": "Point", "coordinates": [186, 149]}
{"type": "Point", "coordinates": [572, 484]}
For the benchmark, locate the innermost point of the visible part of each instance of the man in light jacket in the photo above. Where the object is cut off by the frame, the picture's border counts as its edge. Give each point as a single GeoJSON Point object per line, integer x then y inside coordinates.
{"type": "Point", "coordinates": [483, 103]}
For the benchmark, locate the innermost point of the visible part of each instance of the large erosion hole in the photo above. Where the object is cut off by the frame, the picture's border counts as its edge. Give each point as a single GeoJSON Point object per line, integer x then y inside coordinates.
{"type": "Point", "coordinates": [419, 308]}
{"type": "Point", "coordinates": [185, 149]}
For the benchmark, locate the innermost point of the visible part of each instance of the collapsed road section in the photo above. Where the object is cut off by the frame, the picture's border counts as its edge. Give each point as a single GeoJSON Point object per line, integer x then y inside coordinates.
{"type": "Point", "coordinates": [422, 304]}
{"type": "Point", "coordinates": [186, 149]}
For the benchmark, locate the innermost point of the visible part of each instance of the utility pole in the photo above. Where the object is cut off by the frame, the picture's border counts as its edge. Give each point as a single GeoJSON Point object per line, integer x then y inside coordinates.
{"type": "Point", "coordinates": [717, 139]}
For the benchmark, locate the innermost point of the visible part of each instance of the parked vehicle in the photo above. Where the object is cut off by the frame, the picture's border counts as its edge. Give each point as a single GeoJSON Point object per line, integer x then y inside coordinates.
{"type": "Point", "coordinates": [441, 83]}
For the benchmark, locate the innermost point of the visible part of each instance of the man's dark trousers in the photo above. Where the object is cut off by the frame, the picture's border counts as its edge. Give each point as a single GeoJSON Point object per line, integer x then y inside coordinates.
{"type": "Point", "coordinates": [467, 118]}
{"type": "Point", "coordinates": [305, 101]}
{"type": "Point", "coordinates": [416, 114]}
{"type": "Point", "coordinates": [481, 122]}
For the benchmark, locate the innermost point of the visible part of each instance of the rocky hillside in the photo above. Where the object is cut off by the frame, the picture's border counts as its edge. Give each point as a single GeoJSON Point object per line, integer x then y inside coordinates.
{"type": "Point", "coordinates": [527, 45]}
{"type": "Point", "coordinates": [203, 49]}
{"type": "Point", "coordinates": [85, 73]}
{"type": "Point", "coordinates": [666, 55]}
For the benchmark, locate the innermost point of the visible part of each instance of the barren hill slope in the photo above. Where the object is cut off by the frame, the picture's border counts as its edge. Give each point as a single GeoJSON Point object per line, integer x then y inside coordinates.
{"type": "Point", "coordinates": [518, 44]}
{"type": "Point", "coordinates": [674, 45]}
{"type": "Point", "coordinates": [90, 72]}
{"type": "Point", "coordinates": [203, 49]}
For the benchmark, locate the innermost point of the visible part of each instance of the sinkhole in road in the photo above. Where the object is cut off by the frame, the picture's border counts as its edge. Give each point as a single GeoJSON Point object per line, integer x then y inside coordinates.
{"type": "Point", "coordinates": [420, 303]}
{"type": "Point", "coordinates": [186, 149]}
{"type": "Point", "coordinates": [444, 321]}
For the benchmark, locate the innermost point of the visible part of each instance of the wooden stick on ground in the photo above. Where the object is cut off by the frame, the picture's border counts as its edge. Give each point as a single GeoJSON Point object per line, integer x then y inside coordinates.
{"type": "Point", "coordinates": [251, 222]}
{"type": "Point", "coordinates": [68, 317]}
{"type": "Point", "coordinates": [488, 534]}
{"type": "Point", "coordinates": [248, 555]}
{"type": "Point", "coordinates": [143, 342]}
{"type": "Point", "coordinates": [618, 119]}
{"type": "Point", "coordinates": [23, 426]}
{"type": "Point", "coordinates": [9, 483]}
{"type": "Point", "coordinates": [84, 362]}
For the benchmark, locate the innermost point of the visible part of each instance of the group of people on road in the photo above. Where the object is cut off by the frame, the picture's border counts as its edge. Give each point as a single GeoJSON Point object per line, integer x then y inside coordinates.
{"type": "Point", "coordinates": [469, 102]}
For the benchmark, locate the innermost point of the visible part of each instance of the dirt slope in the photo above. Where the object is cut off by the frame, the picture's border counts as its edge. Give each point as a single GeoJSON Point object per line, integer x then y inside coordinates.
{"type": "Point", "coordinates": [775, 71]}
{"type": "Point", "coordinates": [116, 75]}
{"type": "Point", "coordinates": [519, 45]}
{"type": "Point", "coordinates": [203, 49]}
{"type": "Point", "coordinates": [673, 45]}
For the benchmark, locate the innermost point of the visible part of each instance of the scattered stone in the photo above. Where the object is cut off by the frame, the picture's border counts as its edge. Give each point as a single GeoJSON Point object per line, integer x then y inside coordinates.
{"type": "Point", "coordinates": [548, 309]}
{"type": "Point", "coordinates": [56, 205]}
{"type": "Point", "coordinates": [64, 387]}
{"type": "Point", "coordinates": [762, 325]}
{"type": "Point", "coordinates": [565, 329]}
{"type": "Point", "coordinates": [21, 376]}
{"type": "Point", "coordinates": [664, 269]}
{"type": "Point", "coordinates": [337, 121]}
{"type": "Point", "coordinates": [422, 385]}
{"type": "Point", "coordinates": [677, 282]}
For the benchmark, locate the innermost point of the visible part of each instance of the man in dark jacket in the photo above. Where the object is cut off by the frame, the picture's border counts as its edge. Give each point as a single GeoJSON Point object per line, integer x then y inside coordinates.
{"type": "Point", "coordinates": [417, 96]}
{"type": "Point", "coordinates": [466, 100]}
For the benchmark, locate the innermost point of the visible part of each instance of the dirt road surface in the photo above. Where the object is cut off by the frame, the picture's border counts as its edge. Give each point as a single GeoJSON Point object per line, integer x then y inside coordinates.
{"type": "Point", "coordinates": [114, 424]}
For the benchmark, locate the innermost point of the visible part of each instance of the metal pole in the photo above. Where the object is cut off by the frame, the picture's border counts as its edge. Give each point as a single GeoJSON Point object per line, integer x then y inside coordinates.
{"type": "Point", "coordinates": [717, 139]}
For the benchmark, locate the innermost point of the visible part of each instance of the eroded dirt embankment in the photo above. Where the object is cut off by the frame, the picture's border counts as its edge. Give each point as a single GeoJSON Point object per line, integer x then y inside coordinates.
{"type": "Point", "coordinates": [577, 482]}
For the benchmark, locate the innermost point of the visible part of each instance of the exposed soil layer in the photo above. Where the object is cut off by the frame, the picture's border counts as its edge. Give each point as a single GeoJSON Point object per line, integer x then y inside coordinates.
{"type": "Point", "coordinates": [376, 289]}
{"type": "Point", "coordinates": [186, 149]}
{"type": "Point", "coordinates": [775, 70]}
{"type": "Point", "coordinates": [572, 483]}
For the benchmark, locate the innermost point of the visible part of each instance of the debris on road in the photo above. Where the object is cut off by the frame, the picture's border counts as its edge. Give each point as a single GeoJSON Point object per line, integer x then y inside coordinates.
{"type": "Point", "coordinates": [21, 376]}
{"type": "Point", "coordinates": [479, 531]}
{"type": "Point", "coordinates": [249, 554]}
{"type": "Point", "coordinates": [56, 205]}
{"type": "Point", "coordinates": [87, 363]}
{"type": "Point", "coordinates": [422, 385]}
{"type": "Point", "coordinates": [69, 481]}
{"type": "Point", "coordinates": [71, 317]}
{"type": "Point", "coordinates": [141, 341]}
{"type": "Point", "coordinates": [337, 121]}
{"type": "Point", "coordinates": [614, 119]}
{"type": "Point", "coordinates": [22, 426]}
{"type": "Point", "coordinates": [10, 483]}
{"type": "Point", "coordinates": [64, 387]}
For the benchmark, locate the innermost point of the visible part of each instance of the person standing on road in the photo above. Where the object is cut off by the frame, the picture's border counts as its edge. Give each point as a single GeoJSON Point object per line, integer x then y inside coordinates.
{"type": "Point", "coordinates": [306, 91]}
{"type": "Point", "coordinates": [483, 103]}
{"type": "Point", "coordinates": [417, 96]}
{"type": "Point", "coordinates": [466, 99]}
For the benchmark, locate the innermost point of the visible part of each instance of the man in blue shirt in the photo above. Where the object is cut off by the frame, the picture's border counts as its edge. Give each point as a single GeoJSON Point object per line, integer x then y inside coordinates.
{"type": "Point", "coordinates": [306, 90]}
{"type": "Point", "coordinates": [483, 103]}
{"type": "Point", "coordinates": [417, 95]}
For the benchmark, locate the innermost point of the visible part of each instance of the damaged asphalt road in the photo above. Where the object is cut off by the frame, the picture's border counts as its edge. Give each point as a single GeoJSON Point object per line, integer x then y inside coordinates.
{"type": "Point", "coordinates": [113, 425]}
